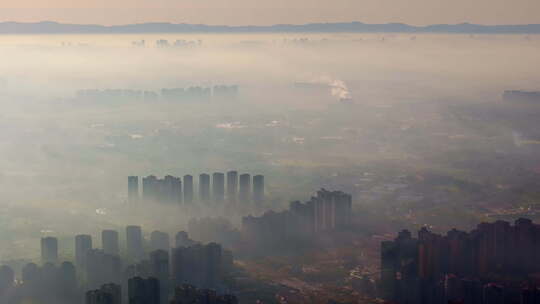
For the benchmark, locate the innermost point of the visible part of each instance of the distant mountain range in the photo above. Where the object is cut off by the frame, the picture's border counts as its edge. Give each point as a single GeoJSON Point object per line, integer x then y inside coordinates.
{"type": "Point", "coordinates": [48, 27]}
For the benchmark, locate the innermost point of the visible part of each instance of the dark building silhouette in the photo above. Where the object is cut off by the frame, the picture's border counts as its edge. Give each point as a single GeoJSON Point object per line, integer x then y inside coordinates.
{"type": "Point", "coordinates": [182, 240]}
{"type": "Point", "coordinates": [188, 189]}
{"type": "Point", "coordinates": [134, 242]}
{"type": "Point", "coordinates": [115, 290]}
{"type": "Point", "coordinates": [218, 187]}
{"type": "Point", "coordinates": [143, 291]}
{"type": "Point", "coordinates": [7, 281]}
{"type": "Point", "coordinates": [110, 242]}
{"type": "Point", "coordinates": [200, 265]}
{"type": "Point", "coordinates": [232, 187]}
{"type": "Point", "coordinates": [49, 250]}
{"type": "Point", "coordinates": [107, 294]}
{"type": "Point", "coordinates": [133, 189]}
{"type": "Point", "coordinates": [244, 193]}
{"type": "Point", "coordinates": [31, 279]}
{"type": "Point", "coordinates": [328, 211]}
{"type": "Point", "coordinates": [83, 243]}
{"type": "Point", "coordinates": [159, 240]}
{"type": "Point", "coordinates": [140, 269]}
{"type": "Point", "coordinates": [48, 284]}
{"type": "Point", "coordinates": [98, 297]}
{"type": "Point", "coordinates": [167, 190]}
{"type": "Point", "coordinates": [102, 268]}
{"type": "Point", "coordinates": [159, 268]}
{"type": "Point", "coordinates": [204, 187]}
{"type": "Point", "coordinates": [190, 94]}
{"type": "Point", "coordinates": [150, 188]}
{"type": "Point", "coordinates": [332, 209]}
{"type": "Point", "coordinates": [186, 293]}
{"type": "Point", "coordinates": [170, 190]}
{"type": "Point", "coordinates": [474, 266]}
{"type": "Point", "coordinates": [258, 189]}
{"type": "Point", "coordinates": [66, 282]}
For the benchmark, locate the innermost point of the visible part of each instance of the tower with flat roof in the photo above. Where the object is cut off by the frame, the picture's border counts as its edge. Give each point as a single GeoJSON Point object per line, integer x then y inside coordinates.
{"type": "Point", "coordinates": [83, 243]}
{"type": "Point", "coordinates": [49, 250]}
{"type": "Point", "coordinates": [171, 190]}
{"type": "Point", "coordinates": [143, 291]}
{"type": "Point", "coordinates": [150, 185]}
{"type": "Point", "coordinates": [218, 187]}
{"type": "Point", "coordinates": [133, 189]}
{"type": "Point", "coordinates": [204, 187]}
{"type": "Point", "coordinates": [134, 243]}
{"type": "Point", "coordinates": [232, 187]}
{"type": "Point", "coordinates": [258, 189]}
{"type": "Point", "coordinates": [188, 189]}
{"type": "Point", "coordinates": [244, 193]}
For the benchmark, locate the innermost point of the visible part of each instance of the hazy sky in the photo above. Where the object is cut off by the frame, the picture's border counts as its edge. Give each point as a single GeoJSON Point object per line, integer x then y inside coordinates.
{"type": "Point", "coordinates": [418, 12]}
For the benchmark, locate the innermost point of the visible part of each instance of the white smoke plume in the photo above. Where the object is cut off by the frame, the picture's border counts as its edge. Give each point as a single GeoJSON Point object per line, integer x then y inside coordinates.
{"type": "Point", "coordinates": [340, 90]}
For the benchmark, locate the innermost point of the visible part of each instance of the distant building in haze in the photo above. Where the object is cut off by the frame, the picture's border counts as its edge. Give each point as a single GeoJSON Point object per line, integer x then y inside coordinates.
{"type": "Point", "coordinates": [200, 265]}
{"type": "Point", "coordinates": [182, 240]}
{"type": "Point", "coordinates": [7, 280]}
{"type": "Point", "coordinates": [107, 294]}
{"type": "Point", "coordinates": [102, 268]}
{"type": "Point", "coordinates": [258, 189]}
{"type": "Point", "coordinates": [83, 243]}
{"type": "Point", "coordinates": [133, 189]}
{"type": "Point", "coordinates": [232, 187]}
{"type": "Point", "coordinates": [332, 210]}
{"type": "Point", "coordinates": [167, 190]}
{"type": "Point", "coordinates": [143, 291]}
{"type": "Point", "coordinates": [327, 212]}
{"type": "Point", "coordinates": [134, 242]}
{"type": "Point", "coordinates": [66, 282]}
{"type": "Point", "coordinates": [186, 293]}
{"type": "Point", "coordinates": [159, 268]}
{"type": "Point", "coordinates": [149, 188]}
{"type": "Point", "coordinates": [218, 187]}
{"type": "Point", "coordinates": [30, 276]}
{"type": "Point", "coordinates": [49, 250]}
{"type": "Point", "coordinates": [244, 193]}
{"type": "Point", "coordinates": [170, 190]}
{"type": "Point", "coordinates": [188, 189]}
{"type": "Point", "coordinates": [204, 187]}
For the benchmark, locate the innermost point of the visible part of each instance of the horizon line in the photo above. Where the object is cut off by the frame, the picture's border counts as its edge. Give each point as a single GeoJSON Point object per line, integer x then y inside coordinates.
{"type": "Point", "coordinates": [53, 27]}
{"type": "Point", "coordinates": [265, 25]}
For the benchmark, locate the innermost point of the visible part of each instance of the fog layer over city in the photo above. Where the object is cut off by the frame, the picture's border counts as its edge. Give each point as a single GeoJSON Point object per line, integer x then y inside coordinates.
{"type": "Point", "coordinates": [335, 110]}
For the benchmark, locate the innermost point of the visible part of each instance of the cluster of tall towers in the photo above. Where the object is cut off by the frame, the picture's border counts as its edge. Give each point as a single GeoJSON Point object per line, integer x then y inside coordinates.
{"type": "Point", "coordinates": [326, 212]}
{"type": "Point", "coordinates": [218, 187]}
{"type": "Point", "coordinates": [476, 267]}
{"type": "Point", "coordinates": [110, 245]}
{"type": "Point", "coordinates": [142, 272]}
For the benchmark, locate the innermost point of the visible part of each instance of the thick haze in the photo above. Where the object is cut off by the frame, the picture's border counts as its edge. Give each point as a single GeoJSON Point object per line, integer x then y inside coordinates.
{"type": "Point", "coordinates": [414, 100]}
{"type": "Point", "coordinates": [308, 144]}
{"type": "Point", "coordinates": [243, 12]}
